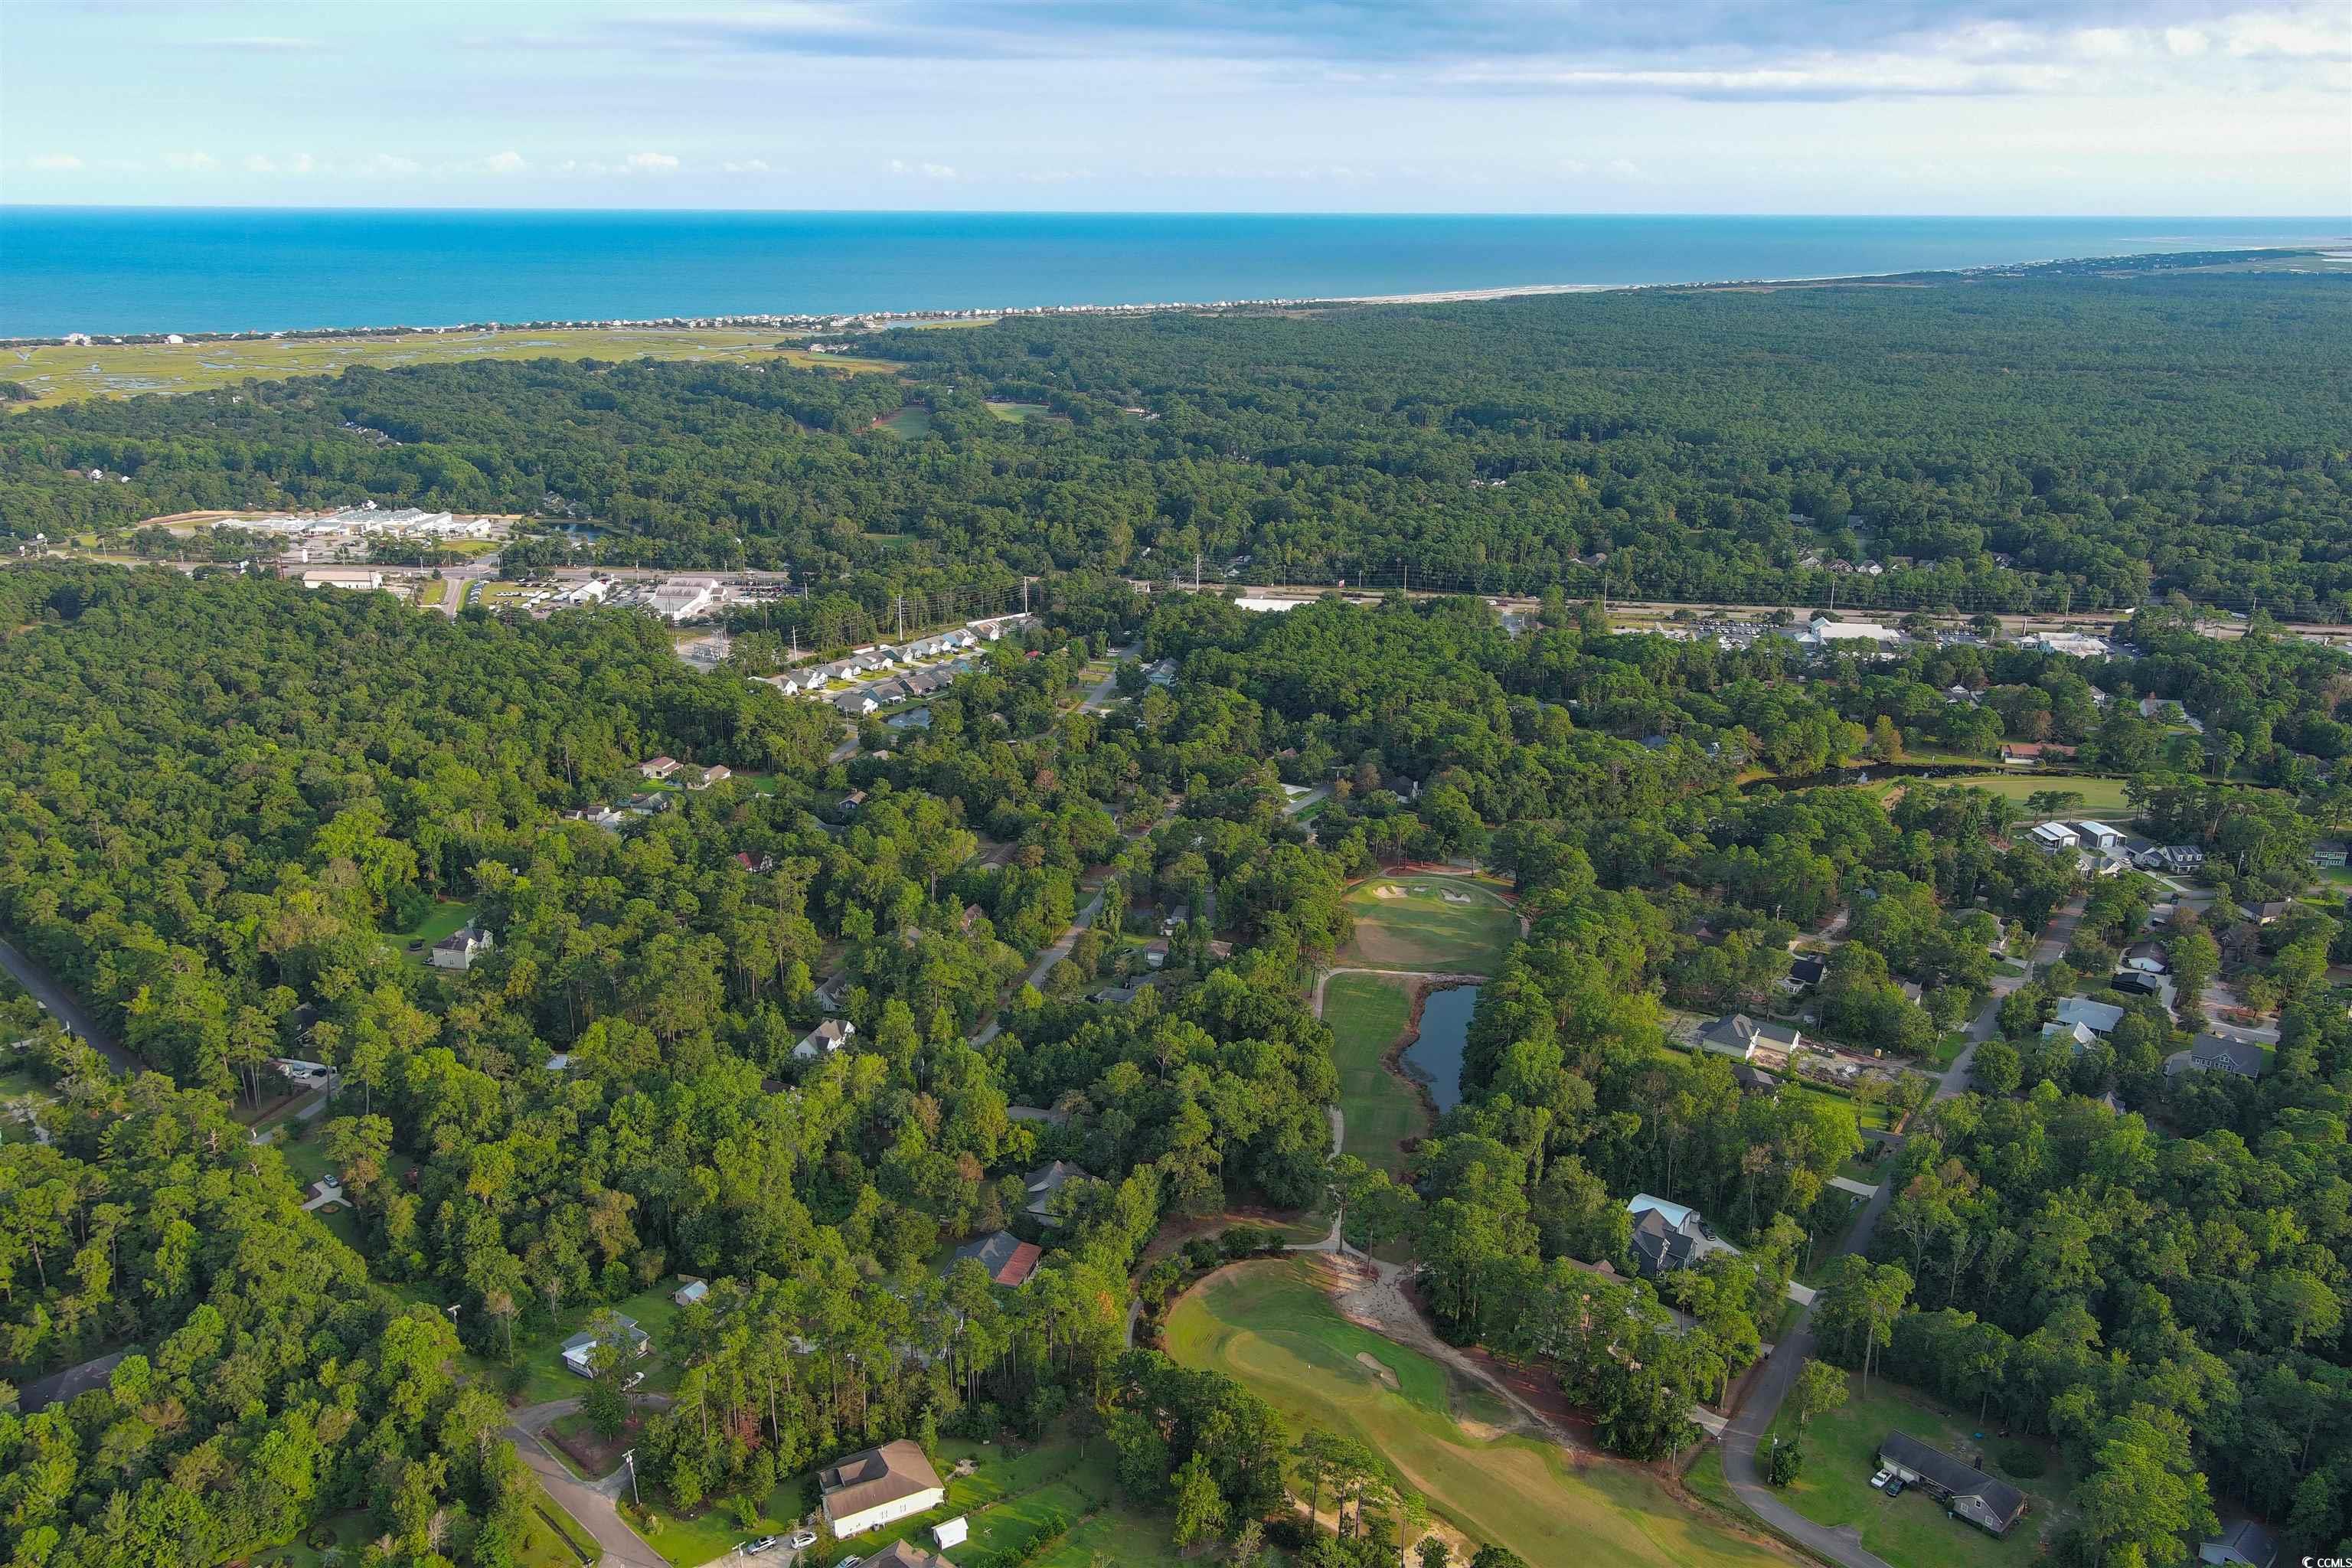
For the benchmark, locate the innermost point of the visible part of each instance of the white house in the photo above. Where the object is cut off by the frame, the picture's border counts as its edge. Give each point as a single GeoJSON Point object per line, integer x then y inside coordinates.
{"type": "Point", "coordinates": [658, 767]}
{"type": "Point", "coordinates": [461, 947]}
{"type": "Point", "coordinates": [875, 1487]}
{"type": "Point", "coordinates": [824, 1040]}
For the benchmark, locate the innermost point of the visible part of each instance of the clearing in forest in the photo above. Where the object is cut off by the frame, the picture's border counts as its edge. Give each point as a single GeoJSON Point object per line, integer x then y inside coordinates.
{"type": "Point", "coordinates": [1269, 1325]}
{"type": "Point", "coordinates": [1441, 924]}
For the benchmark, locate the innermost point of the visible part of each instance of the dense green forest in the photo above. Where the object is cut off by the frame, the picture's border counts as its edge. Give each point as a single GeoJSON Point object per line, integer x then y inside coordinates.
{"type": "Point", "coordinates": [1991, 443]}
{"type": "Point", "coordinates": [229, 801]}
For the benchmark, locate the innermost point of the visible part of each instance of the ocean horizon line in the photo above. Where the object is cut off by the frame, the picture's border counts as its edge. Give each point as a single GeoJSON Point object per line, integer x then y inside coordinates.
{"type": "Point", "coordinates": [217, 271]}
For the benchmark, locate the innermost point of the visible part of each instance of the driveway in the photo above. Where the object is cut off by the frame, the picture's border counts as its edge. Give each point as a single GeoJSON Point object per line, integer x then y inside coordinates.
{"type": "Point", "coordinates": [1051, 956]}
{"type": "Point", "coordinates": [593, 1504]}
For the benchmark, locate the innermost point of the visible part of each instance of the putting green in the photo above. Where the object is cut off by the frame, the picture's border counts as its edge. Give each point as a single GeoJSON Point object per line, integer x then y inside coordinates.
{"type": "Point", "coordinates": [1269, 1325]}
{"type": "Point", "coordinates": [1441, 924]}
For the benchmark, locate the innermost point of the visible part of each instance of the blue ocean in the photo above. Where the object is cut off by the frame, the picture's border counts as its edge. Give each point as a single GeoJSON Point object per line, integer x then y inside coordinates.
{"type": "Point", "coordinates": [214, 269]}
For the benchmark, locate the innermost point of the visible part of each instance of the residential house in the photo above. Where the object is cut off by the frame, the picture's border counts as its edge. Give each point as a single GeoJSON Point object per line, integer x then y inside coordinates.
{"type": "Point", "coordinates": [2153, 707]}
{"type": "Point", "coordinates": [1754, 1080]}
{"type": "Point", "coordinates": [2174, 858]}
{"type": "Point", "coordinates": [1805, 972]}
{"type": "Point", "coordinates": [459, 949]}
{"type": "Point", "coordinates": [658, 768]}
{"type": "Point", "coordinates": [688, 1294]}
{"type": "Point", "coordinates": [832, 993]}
{"type": "Point", "coordinates": [2099, 1018]}
{"type": "Point", "coordinates": [1970, 1493]}
{"type": "Point", "coordinates": [650, 803]}
{"type": "Point", "coordinates": [824, 1040]}
{"type": "Point", "coordinates": [875, 1487]}
{"type": "Point", "coordinates": [851, 800]}
{"type": "Point", "coordinates": [855, 704]}
{"type": "Point", "coordinates": [2148, 958]}
{"type": "Point", "coordinates": [633, 1341]}
{"type": "Point", "coordinates": [2268, 912]}
{"type": "Point", "coordinates": [2028, 753]}
{"type": "Point", "coordinates": [2327, 855]}
{"type": "Point", "coordinates": [2138, 983]}
{"type": "Point", "coordinates": [2219, 1053]}
{"type": "Point", "coordinates": [973, 915]}
{"type": "Point", "coordinates": [718, 772]}
{"type": "Point", "coordinates": [759, 865]}
{"type": "Point", "coordinates": [1044, 1182]}
{"type": "Point", "coordinates": [1007, 1260]}
{"type": "Point", "coordinates": [1666, 1236]}
{"type": "Point", "coordinates": [2076, 1036]}
{"type": "Point", "coordinates": [1740, 1035]}
{"type": "Point", "coordinates": [2244, 1544]}
{"type": "Point", "coordinates": [888, 691]}
{"type": "Point", "coordinates": [906, 1555]}
{"type": "Point", "coordinates": [1155, 954]}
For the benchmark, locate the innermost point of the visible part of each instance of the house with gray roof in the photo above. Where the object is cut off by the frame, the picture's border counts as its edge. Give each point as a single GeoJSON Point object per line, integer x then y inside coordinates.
{"type": "Point", "coordinates": [1976, 1497]}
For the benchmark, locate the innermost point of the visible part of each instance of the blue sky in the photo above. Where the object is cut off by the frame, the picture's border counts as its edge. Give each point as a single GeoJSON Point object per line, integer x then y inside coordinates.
{"type": "Point", "coordinates": [2180, 106]}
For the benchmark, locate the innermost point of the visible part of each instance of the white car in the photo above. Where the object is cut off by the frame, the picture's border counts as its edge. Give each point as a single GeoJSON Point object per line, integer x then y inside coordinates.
{"type": "Point", "coordinates": [802, 1539]}
{"type": "Point", "coordinates": [1878, 1482]}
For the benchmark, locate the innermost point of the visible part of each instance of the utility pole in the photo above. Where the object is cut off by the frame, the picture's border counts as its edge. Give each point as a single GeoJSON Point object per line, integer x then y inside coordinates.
{"type": "Point", "coordinates": [1196, 571]}
{"type": "Point", "coordinates": [630, 1458]}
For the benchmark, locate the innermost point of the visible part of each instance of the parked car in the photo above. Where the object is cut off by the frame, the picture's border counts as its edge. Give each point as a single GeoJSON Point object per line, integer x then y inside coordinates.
{"type": "Point", "coordinates": [1895, 1487]}
{"type": "Point", "coordinates": [802, 1539]}
{"type": "Point", "coordinates": [1881, 1479]}
{"type": "Point", "coordinates": [765, 1543]}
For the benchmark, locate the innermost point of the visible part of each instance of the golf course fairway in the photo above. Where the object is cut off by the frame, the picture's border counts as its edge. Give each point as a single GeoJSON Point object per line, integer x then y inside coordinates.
{"type": "Point", "coordinates": [1269, 1325]}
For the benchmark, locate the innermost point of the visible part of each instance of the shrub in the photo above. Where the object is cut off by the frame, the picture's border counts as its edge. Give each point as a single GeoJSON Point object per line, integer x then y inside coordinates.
{"type": "Point", "coordinates": [2022, 1460]}
{"type": "Point", "coordinates": [1787, 1460]}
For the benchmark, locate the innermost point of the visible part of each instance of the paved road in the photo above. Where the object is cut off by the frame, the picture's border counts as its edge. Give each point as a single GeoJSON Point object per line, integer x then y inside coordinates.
{"type": "Point", "coordinates": [1053, 955]}
{"type": "Point", "coordinates": [592, 1503]}
{"type": "Point", "coordinates": [1843, 1545]}
{"type": "Point", "coordinates": [64, 1007]}
{"type": "Point", "coordinates": [2055, 938]}
{"type": "Point", "coordinates": [1100, 700]}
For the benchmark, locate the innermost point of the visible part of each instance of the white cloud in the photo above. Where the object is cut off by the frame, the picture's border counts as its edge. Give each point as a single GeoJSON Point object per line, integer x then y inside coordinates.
{"type": "Point", "coordinates": [507, 163]}
{"type": "Point", "coordinates": [1624, 168]}
{"type": "Point", "coordinates": [925, 171]}
{"type": "Point", "coordinates": [302, 164]}
{"type": "Point", "coordinates": [269, 44]}
{"type": "Point", "coordinates": [190, 163]}
{"type": "Point", "coordinates": [651, 162]}
{"type": "Point", "coordinates": [2184, 43]}
{"type": "Point", "coordinates": [745, 166]}
{"type": "Point", "coordinates": [54, 162]}
{"type": "Point", "coordinates": [391, 163]}
{"type": "Point", "coordinates": [260, 164]}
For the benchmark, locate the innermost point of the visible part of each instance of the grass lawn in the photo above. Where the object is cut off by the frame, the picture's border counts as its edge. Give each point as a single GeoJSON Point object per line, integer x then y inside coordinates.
{"type": "Point", "coordinates": [2100, 796]}
{"type": "Point", "coordinates": [445, 919]}
{"type": "Point", "coordinates": [908, 423]}
{"type": "Point", "coordinates": [1367, 1015]}
{"type": "Point", "coordinates": [1407, 922]}
{"type": "Point", "coordinates": [543, 1353]}
{"type": "Point", "coordinates": [60, 374]}
{"type": "Point", "coordinates": [433, 591]}
{"type": "Point", "coordinates": [1010, 1492]}
{"type": "Point", "coordinates": [1913, 1531]}
{"type": "Point", "coordinates": [1021, 413]}
{"type": "Point", "coordinates": [1269, 1326]}
{"type": "Point", "coordinates": [553, 1539]}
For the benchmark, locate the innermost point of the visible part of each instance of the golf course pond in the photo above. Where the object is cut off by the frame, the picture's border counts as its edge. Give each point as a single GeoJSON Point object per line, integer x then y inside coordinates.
{"type": "Point", "coordinates": [1434, 1058]}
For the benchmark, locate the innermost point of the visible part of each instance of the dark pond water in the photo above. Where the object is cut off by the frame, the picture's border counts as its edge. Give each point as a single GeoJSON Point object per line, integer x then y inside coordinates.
{"type": "Point", "coordinates": [1874, 771]}
{"type": "Point", "coordinates": [1435, 1057]}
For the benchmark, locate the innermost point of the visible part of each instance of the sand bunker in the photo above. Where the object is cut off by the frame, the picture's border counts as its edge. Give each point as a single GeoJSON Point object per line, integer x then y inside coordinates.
{"type": "Point", "coordinates": [1378, 1369]}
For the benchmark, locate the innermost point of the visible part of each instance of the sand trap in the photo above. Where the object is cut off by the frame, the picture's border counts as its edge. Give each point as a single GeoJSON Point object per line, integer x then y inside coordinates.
{"type": "Point", "coordinates": [1457, 897]}
{"type": "Point", "coordinates": [1387, 890]}
{"type": "Point", "coordinates": [1378, 1369]}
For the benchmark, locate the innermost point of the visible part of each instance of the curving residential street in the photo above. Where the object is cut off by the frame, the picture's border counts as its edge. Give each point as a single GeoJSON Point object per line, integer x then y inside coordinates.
{"type": "Point", "coordinates": [594, 1504]}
